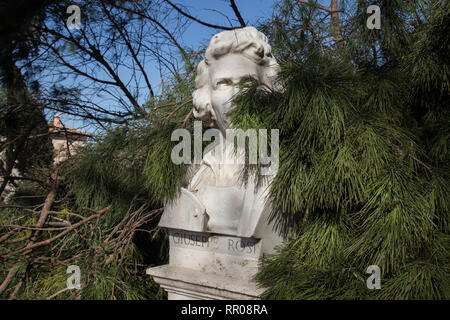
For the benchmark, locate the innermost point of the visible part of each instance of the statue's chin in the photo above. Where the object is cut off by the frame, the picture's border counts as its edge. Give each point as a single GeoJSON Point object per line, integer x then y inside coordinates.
{"type": "Point", "coordinates": [220, 124]}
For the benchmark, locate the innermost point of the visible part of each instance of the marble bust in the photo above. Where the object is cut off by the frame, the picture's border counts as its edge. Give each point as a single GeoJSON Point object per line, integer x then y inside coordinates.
{"type": "Point", "coordinates": [216, 200]}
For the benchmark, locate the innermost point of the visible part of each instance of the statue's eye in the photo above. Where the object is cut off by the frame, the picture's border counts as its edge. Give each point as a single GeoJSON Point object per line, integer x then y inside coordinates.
{"type": "Point", "coordinates": [224, 82]}
{"type": "Point", "coordinates": [247, 80]}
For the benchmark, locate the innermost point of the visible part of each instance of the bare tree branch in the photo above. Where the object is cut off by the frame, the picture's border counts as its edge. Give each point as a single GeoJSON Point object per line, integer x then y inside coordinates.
{"type": "Point", "coordinates": [237, 13]}
{"type": "Point", "coordinates": [130, 48]}
{"type": "Point", "coordinates": [197, 20]}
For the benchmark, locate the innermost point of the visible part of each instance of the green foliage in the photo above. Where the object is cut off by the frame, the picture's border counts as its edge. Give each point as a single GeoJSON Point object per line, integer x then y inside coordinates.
{"type": "Point", "coordinates": [128, 168]}
{"type": "Point", "coordinates": [363, 177]}
{"type": "Point", "coordinates": [110, 172]}
{"type": "Point", "coordinates": [163, 177]}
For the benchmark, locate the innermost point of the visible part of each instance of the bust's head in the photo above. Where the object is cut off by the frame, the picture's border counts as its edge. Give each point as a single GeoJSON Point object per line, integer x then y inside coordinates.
{"type": "Point", "coordinates": [231, 57]}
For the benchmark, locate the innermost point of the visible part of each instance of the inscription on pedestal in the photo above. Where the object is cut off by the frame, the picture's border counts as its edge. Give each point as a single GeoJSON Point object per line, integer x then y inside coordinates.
{"type": "Point", "coordinates": [245, 247]}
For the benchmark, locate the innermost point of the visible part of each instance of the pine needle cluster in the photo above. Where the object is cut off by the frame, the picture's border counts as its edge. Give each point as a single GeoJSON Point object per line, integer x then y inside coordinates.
{"type": "Point", "coordinates": [363, 177]}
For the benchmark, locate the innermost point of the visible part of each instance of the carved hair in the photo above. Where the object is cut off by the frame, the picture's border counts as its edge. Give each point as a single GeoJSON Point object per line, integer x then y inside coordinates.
{"type": "Point", "coordinates": [246, 41]}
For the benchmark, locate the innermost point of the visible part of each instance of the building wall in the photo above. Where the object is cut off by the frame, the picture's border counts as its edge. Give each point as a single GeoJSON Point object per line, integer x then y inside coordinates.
{"type": "Point", "coordinates": [64, 148]}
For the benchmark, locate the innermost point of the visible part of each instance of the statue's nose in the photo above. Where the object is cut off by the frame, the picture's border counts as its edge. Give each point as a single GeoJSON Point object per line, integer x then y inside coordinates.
{"type": "Point", "coordinates": [202, 108]}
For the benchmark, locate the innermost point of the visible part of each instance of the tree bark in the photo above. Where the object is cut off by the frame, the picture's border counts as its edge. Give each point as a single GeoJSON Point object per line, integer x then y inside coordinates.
{"type": "Point", "coordinates": [336, 23]}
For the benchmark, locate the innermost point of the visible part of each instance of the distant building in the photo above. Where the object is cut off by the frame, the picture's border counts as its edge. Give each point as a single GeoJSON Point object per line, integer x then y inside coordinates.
{"type": "Point", "coordinates": [65, 140]}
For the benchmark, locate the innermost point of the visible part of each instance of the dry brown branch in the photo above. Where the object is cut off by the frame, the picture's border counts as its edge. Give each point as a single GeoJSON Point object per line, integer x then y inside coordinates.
{"type": "Point", "coordinates": [47, 241]}
{"type": "Point", "coordinates": [58, 293]}
{"type": "Point", "coordinates": [47, 206]}
{"type": "Point", "coordinates": [187, 117]}
{"type": "Point", "coordinates": [9, 277]}
{"type": "Point", "coordinates": [18, 239]}
{"type": "Point", "coordinates": [16, 289]}
{"type": "Point", "coordinates": [7, 235]}
{"type": "Point", "coordinates": [116, 228]}
{"type": "Point", "coordinates": [18, 227]}
{"type": "Point", "coordinates": [170, 114]}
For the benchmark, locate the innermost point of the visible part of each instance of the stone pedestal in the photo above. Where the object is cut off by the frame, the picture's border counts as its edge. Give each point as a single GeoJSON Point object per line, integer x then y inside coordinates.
{"type": "Point", "coordinates": [208, 266]}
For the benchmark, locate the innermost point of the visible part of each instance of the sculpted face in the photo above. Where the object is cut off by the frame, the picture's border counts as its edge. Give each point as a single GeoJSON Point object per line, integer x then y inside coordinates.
{"type": "Point", "coordinates": [224, 75]}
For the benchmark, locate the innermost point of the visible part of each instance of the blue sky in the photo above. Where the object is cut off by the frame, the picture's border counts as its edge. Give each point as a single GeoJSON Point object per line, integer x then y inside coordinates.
{"type": "Point", "coordinates": [196, 35]}
{"type": "Point", "coordinates": [251, 11]}
{"type": "Point", "coordinates": [214, 12]}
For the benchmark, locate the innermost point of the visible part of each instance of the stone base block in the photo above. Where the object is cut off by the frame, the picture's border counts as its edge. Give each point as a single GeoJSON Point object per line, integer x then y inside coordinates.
{"type": "Point", "coordinates": [188, 284]}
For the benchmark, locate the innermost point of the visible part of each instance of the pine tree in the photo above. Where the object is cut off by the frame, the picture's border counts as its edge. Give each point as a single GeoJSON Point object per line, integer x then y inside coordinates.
{"type": "Point", "coordinates": [21, 116]}
{"type": "Point", "coordinates": [364, 160]}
